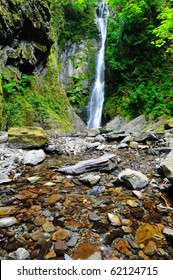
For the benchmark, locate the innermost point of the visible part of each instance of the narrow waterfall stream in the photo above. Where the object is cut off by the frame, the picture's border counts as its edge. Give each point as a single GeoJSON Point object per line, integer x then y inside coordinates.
{"type": "Point", "coordinates": [95, 105]}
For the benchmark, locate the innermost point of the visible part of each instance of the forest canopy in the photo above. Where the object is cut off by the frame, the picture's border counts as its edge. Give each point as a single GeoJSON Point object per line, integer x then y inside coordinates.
{"type": "Point", "coordinates": [139, 58]}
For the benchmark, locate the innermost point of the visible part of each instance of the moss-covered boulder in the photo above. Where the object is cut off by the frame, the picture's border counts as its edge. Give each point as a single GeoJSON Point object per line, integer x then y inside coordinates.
{"type": "Point", "coordinates": [27, 137]}
{"type": "Point", "coordinates": [0, 102]}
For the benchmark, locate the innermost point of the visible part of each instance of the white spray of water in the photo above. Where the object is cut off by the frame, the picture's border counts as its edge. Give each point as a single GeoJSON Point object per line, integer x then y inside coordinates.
{"type": "Point", "coordinates": [95, 105]}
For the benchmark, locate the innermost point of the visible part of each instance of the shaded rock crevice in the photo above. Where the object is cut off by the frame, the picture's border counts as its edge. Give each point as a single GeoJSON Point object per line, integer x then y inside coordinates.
{"type": "Point", "coordinates": [25, 39]}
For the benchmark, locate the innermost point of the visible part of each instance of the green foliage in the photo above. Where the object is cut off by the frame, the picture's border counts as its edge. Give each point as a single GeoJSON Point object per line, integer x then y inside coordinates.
{"type": "Point", "coordinates": [164, 31]}
{"type": "Point", "coordinates": [141, 73]}
{"type": "Point", "coordinates": [150, 98]}
{"type": "Point", "coordinates": [78, 20]}
{"type": "Point", "coordinates": [13, 86]}
{"type": "Point", "coordinates": [14, 91]}
{"type": "Point", "coordinates": [80, 4]}
{"type": "Point", "coordinates": [28, 100]}
{"type": "Point", "coordinates": [75, 95]}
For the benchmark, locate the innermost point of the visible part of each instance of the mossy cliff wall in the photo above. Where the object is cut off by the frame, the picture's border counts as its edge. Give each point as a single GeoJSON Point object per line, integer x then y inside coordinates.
{"type": "Point", "coordinates": [30, 91]}
{"type": "Point", "coordinates": [26, 35]}
{"type": "Point", "coordinates": [77, 47]}
{"type": "Point", "coordinates": [0, 100]}
{"type": "Point", "coordinates": [76, 71]}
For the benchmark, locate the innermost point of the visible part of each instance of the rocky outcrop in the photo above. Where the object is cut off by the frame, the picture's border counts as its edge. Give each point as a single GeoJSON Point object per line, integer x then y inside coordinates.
{"type": "Point", "coordinates": [29, 31]}
{"type": "Point", "coordinates": [76, 61]}
{"type": "Point", "coordinates": [77, 124]}
{"type": "Point", "coordinates": [135, 126]}
{"type": "Point", "coordinates": [115, 124]}
{"type": "Point", "coordinates": [25, 34]}
{"type": "Point", "coordinates": [76, 71]}
{"type": "Point", "coordinates": [119, 128]}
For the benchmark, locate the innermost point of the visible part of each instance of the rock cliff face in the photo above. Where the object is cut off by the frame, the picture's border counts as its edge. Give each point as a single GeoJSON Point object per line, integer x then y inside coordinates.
{"type": "Point", "coordinates": [25, 34]}
{"type": "Point", "coordinates": [76, 61]}
{"type": "Point", "coordinates": [29, 32]}
{"type": "Point", "coordinates": [76, 72]}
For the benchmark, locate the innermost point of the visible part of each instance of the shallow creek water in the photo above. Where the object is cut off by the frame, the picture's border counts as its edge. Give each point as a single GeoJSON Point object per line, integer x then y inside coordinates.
{"type": "Point", "coordinates": [57, 212]}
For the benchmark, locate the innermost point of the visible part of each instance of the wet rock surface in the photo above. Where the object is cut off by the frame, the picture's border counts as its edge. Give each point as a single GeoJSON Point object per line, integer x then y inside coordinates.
{"type": "Point", "coordinates": [48, 214]}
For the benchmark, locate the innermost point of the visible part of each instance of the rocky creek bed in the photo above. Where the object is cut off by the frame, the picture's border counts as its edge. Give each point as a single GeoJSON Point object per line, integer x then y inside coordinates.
{"type": "Point", "coordinates": [90, 197]}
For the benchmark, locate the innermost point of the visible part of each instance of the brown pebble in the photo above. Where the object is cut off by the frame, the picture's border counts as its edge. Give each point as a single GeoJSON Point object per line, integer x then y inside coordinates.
{"type": "Point", "coordinates": [48, 227]}
{"type": "Point", "coordinates": [85, 250]}
{"type": "Point", "coordinates": [61, 234]}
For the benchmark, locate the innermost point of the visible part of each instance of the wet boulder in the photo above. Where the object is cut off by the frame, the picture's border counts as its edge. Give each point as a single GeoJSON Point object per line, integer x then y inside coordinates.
{"type": "Point", "coordinates": [88, 251]}
{"type": "Point", "coordinates": [132, 179]}
{"type": "Point", "coordinates": [147, 232]}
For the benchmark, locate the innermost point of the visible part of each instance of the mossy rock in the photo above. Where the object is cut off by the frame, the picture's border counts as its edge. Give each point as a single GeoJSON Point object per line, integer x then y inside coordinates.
{"type": "Point", "coordinates": [27, 137]}
{"type": "Point", "coordinates": [1, 107]}
{"type": "Point", "coordinates": [168, 124]}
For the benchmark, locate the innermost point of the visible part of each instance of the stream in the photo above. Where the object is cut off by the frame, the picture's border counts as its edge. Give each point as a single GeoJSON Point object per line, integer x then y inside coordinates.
{"type": "Point", "coordinates": [61, 216]}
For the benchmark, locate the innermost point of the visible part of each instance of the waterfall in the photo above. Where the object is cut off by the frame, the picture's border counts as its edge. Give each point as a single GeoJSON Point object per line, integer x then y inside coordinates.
{"type": "Point", "coordinates": [95, 105]}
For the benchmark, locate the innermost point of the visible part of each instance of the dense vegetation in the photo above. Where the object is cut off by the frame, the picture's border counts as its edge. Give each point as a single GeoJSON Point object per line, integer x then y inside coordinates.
{"type": "Point", "coordinates": [79, 20]}
{"type": "Point", "coordinates": [139, 58]}
{"type": "Point", "coordinates": [139, 74]}
{"type": "Point", "coordinates": [30, 100]}
{"type": "Point", "coordinates": [29, 69]}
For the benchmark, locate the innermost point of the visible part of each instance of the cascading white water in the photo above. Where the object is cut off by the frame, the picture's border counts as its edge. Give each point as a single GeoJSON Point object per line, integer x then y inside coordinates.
{"type": "Point", "coordinates": [95, 105]}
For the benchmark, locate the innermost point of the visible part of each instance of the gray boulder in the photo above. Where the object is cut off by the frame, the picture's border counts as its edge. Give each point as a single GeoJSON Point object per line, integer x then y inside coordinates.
{"type": "Point", "coordinates": [3, 136]}
{"type": "Point", "coordinates": [77, 124]}
{"type": "Point", "coordinates": [34, 157]}
{"type": "Point", "coordinates": [115, 136]}
{"type": "Point", "coordinates": [132, 179]}
{"type": "Point", "coordinates": [21, 254]}
{"type": "Point", "coordinates": [4, 178]}
{"type": "Point", "coordinates": [115, 124]}
{"type": "Point", "coordinates": [168, 232]}
{"type": "Point", "coordinates": [92, 132]}
{"type": "Point", "coordinates": [135, 126]}
{"type": "Point", "coordinates": [167, 167]}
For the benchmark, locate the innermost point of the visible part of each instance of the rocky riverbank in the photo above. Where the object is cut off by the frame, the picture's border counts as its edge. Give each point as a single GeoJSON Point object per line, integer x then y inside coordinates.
{"type": "Point", "coordinates": [101, 194]}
